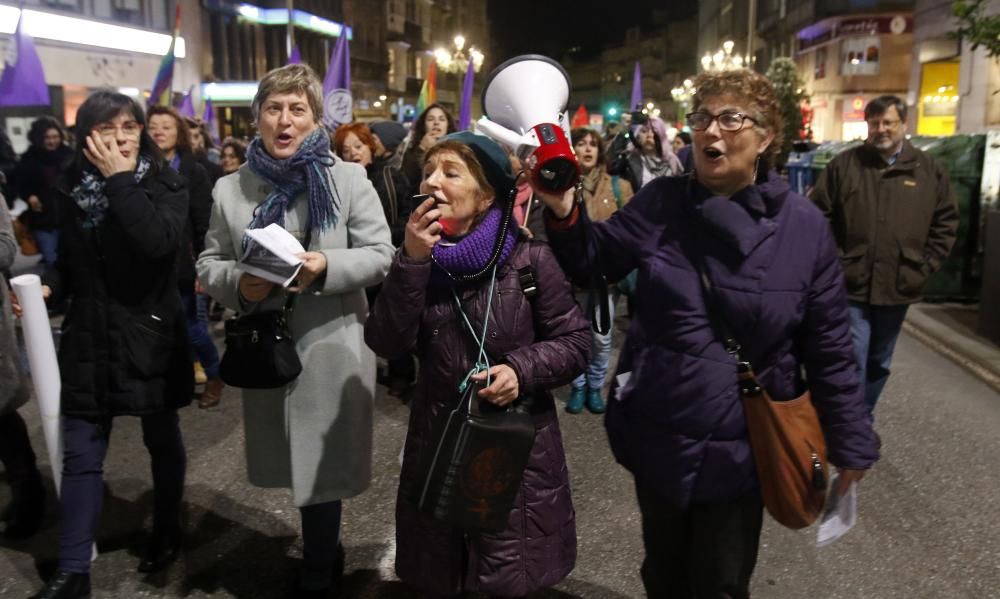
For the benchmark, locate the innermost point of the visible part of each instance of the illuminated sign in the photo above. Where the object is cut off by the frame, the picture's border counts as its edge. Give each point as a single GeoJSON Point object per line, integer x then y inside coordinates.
{"type": "Point", "coordinates": [74, 30]}
{"type": "Point", "coordinates": [279, 16]}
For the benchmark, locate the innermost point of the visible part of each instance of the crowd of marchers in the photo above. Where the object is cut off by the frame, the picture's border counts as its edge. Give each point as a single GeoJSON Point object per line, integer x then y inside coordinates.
{"type": "Point", "coordinates": [432, 248]}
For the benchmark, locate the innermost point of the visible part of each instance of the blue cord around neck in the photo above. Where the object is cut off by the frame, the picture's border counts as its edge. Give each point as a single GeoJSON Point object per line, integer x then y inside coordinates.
{"type": "Point", "coordinates": [482, 360]}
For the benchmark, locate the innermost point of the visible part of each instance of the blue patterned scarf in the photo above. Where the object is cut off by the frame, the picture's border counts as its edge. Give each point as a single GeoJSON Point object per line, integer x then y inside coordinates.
{"type": "Point", "coordinates": [308, 170]}
{"type": "Point", "coordinates": [89, 192]}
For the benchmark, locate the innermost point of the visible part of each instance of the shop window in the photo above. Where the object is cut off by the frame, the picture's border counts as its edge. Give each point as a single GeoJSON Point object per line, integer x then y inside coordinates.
{"type": "Point", "coordinates": [860, 56]}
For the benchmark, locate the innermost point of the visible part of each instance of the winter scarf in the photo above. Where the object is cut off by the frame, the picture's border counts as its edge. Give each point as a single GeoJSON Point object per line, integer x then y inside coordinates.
{"type": "Point", "coordinates": [89, 192]}
{"type": "Point", "coordinates": [470, 254]}
{"type": "Point", "coordinates": [308, 170]}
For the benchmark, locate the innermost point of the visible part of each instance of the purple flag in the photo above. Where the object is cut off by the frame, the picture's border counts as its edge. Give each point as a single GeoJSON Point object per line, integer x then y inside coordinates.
{"type": "Point", "coordinates": [208, 118]}
{"type": "Point", "coordinates": [186, 108]}
{"type": "Point", "coordinates": [465, 113]}
{"type": "Point", "coordinates": [636, 103]}
{"type": "Point", "coordinates": [23, 82]}
{"type": "Point", "coordinates": [338, 107]}
{"type": "Point", "coordinates": [296, 57]}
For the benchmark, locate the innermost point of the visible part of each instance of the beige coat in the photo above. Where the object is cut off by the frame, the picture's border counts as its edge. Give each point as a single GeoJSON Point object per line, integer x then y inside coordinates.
{"type": "Point", "coordinates": [599, 195]}
{"type": "Point", "coordinates": [315, 434]}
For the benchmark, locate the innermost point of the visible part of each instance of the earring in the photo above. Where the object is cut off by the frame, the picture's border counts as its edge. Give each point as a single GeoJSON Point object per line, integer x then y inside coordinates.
{"type": "Point", "coordinates": [756, 165]}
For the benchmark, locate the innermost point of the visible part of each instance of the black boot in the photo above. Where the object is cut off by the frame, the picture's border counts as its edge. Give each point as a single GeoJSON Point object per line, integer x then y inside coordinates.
{"type": "Point", "coordinates": [66, 585]}
{"type": "Point", "coordinates": [334, 591]}
{"type": "Point", "coordinates": [162, 549]}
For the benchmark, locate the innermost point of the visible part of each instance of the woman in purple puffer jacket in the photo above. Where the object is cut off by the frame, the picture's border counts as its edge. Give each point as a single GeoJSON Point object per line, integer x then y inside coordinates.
{"type": "Point", "coordinates": [674, 417]}
{"type": "Point", "coordinates": [536, 343]}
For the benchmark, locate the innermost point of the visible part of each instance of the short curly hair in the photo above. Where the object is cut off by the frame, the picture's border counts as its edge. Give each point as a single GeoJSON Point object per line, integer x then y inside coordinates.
{"type": "Point", "coordinates": [754, 91]}
{"type": "Point", "coordinates": [361, 130]}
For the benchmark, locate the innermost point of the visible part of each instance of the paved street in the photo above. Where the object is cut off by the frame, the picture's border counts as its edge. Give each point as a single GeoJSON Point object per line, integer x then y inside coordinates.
{"type": "Point", "coordinates": [928, 526]}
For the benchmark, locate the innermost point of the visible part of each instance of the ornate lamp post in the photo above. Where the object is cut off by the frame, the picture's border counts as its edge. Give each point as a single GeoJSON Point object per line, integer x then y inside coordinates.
{"type": "Point", "coordinates": [457, 60]}
{"type": "Point", "coordinates": [682, 98]}
{"type": "Point", "coordinates": [724, 59]}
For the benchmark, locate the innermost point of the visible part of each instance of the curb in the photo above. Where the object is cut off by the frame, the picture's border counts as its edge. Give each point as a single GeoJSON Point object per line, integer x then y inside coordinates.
{"type": "Point", "coordinates": [974, 354]}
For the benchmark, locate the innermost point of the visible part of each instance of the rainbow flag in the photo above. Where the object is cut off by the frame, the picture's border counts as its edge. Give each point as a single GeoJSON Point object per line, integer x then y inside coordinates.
{"type": "Point", "coordinates": [428, 91]}
{"type": "Point", "coordinates": [162, 90]}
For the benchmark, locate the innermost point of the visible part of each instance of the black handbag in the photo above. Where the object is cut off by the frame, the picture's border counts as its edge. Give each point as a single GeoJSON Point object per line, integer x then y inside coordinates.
{"type": "Point", "coordinates": [260, 351]}
{"type": "Point", "coordinates": [476, 467]}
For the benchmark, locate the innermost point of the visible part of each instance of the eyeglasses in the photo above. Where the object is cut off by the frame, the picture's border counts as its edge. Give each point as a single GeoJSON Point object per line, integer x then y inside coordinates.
{"type": "Point", "coordinates": [728, 121]}
{"type": "Point", "coordinates": [129, 129]}
{"type": "Point", "coordinates": [886, 123]}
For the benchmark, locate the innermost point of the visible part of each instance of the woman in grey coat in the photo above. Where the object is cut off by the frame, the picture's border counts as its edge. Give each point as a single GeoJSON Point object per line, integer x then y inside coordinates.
{"type": "Point", "coordinates": [313, 435]}
{"type": "Point", "coordinates": [23, 516]}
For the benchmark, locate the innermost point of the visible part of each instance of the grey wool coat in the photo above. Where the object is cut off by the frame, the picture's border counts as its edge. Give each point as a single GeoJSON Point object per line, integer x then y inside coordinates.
{"type": "Point", "coordinates": [13, 392]}
{"type": "Point", "coordinates": [315, 434]}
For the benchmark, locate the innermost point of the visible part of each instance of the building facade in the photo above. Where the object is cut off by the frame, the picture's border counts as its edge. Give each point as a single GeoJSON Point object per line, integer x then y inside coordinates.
{"type": "Point", "coordinates": [114, 43]}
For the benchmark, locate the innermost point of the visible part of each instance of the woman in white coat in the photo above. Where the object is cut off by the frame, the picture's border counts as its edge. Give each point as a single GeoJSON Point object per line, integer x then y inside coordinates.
{"type": "Point", "coordinates": [313, 435]}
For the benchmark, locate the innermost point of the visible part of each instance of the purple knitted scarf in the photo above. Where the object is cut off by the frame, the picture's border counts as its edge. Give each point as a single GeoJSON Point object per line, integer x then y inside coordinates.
{"type": "Point", "coordinates": [473, 251]}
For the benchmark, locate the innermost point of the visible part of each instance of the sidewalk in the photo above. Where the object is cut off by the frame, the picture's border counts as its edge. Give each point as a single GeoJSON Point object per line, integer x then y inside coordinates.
{"type": "Point", "coordinates": [950, 329]}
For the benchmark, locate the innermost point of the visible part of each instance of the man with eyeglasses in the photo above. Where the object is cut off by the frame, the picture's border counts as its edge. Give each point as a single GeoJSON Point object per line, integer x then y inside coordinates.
{"type": "Point", "coordinates": [894, 218]}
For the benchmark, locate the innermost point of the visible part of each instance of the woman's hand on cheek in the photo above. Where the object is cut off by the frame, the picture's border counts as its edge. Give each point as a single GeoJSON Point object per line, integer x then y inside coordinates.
{"type": "Point", "coordinates": [423, 231]}
{"type": "Point", "coordinates": [107, 157]}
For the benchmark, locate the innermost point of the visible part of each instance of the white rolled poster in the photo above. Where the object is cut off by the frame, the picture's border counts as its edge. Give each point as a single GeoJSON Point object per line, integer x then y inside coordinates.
{"type": "Point", "coordinates": [44, 366]}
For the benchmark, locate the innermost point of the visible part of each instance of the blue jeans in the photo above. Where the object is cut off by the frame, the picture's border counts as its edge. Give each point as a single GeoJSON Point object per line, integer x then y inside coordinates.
{"type": "Point", "coordinates": [196, 308]}
{"type": "Point", "coordinates": [875, 330]}
{"type": "Point", "coordinates": [48, 244]}
{"type": "Point", "coordinates": [600, 345]}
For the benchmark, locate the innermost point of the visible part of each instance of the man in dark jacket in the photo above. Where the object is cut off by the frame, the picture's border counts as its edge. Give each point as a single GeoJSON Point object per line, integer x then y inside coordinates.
{"type": "Point", "coordinates": [894, 218]}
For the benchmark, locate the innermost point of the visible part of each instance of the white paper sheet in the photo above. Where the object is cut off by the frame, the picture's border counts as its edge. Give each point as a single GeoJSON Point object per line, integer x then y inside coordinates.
{"type": "Point", "coordinates": [44, 367]}
{"type": "Point", "coordinates": [840, 513]}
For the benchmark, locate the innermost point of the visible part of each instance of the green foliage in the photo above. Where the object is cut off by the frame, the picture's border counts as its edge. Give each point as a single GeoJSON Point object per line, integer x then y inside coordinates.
{"type": "Point", "coordinates": [784, 76]}
{"type": "Point", "coordinates": [976, 27]}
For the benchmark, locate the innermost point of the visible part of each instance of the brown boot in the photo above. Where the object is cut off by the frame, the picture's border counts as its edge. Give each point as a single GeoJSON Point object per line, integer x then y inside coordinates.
{"type": "Point", "coordinates": [212, 394]}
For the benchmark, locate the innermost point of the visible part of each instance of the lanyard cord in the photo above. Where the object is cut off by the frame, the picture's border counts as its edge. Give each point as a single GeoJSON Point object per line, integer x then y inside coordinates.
{"type": "Point", "coordinates": [482, 360]}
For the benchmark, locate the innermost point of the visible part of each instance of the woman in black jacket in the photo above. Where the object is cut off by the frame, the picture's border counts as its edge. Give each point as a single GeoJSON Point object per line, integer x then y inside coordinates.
{"type": "Point", "coordinates": [171, 134]}
{"type": "Point", "coordinates": [35, 177]}
{"type": "Point", "coordinates": [124, 348]}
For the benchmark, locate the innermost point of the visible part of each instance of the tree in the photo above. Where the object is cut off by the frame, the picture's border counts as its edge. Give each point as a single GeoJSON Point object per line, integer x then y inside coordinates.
{"type": "Point", "coordinates": [976, 27]}
{"type": "Point", "coordinates": [790, 89]}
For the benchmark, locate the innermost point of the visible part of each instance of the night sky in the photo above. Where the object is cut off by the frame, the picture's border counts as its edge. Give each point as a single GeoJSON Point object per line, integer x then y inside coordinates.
{"type": "Point", "coordinates": [552, 27]}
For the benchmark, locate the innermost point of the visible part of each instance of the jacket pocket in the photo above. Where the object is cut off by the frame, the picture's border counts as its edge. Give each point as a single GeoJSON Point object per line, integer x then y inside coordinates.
{"type": "Point", "coordinates": [912, 272]}
{"type": "Point", "coordinates": [149, 344]}
{"type": "Point", "coordinates": [856, 271]}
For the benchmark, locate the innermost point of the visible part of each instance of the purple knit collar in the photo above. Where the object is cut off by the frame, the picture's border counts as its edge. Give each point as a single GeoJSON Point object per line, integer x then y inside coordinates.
{"type": "Point", "coordinates": [473, 251]}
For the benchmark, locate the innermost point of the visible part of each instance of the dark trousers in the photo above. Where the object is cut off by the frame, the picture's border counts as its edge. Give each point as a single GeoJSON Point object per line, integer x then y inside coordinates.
{"type": "Point", "coordinates": [705, 551]}
{"type": "Point", "coordinates": [196, 308]}
{"type": "Point", "coordinates": [16, 455]}
{"type": "Point", "coordinates": [85, 446]}
{"type": "Point", "coordinates": [320, 544]}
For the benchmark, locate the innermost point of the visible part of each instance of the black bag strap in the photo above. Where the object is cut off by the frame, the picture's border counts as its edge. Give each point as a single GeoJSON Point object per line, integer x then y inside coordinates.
{"type": "Point", "coordinates": [600, 316]}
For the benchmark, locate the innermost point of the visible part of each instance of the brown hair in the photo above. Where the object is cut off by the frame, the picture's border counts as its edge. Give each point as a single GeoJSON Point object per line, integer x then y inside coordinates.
{"type": "Point", "coordinates": [183, 136]}
{"type": "Point", "coordinates": [581, 133]}
{"type": "Point", "coordinates": [238, 146]}
{"type": "Point", "coordinates": [361, 130]}
{"type": "Point", "coordinates": [289, 79]}
{"type": "Point", "coordinates": [468, 157]}
{"type": "Point", "coordinates": [756, 92]}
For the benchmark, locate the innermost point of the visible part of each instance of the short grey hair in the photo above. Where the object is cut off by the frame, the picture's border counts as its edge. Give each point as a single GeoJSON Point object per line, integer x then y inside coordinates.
{"type": "Point", "coordinates": [290, 79]}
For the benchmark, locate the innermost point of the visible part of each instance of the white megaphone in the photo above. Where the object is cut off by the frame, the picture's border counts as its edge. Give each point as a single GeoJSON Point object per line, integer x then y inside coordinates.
{"type": "Point", "coordinates": [524, 104]}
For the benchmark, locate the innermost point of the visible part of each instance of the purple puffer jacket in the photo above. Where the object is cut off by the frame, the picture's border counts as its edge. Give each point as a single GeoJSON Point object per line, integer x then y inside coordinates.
{"type": "Point", "coordinates": [677, 422]}
{"type": "Point", "coordinates": [546, 341]}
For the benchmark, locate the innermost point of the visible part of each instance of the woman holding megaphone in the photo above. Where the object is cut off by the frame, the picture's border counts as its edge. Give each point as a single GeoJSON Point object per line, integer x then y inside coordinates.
{"type": "Point", "coordinates": [730, 243]}
{"type": "Point", "coordinates": [465, 284]}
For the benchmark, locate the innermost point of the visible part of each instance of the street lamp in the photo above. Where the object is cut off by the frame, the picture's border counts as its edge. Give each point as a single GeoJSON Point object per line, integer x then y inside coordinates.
{"type": "Point", "coordinates": [724, 59]}
{"type": "Point", "coordinates": [457, 60]}
{"type": "Point", "coordinates": [682, 95]}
